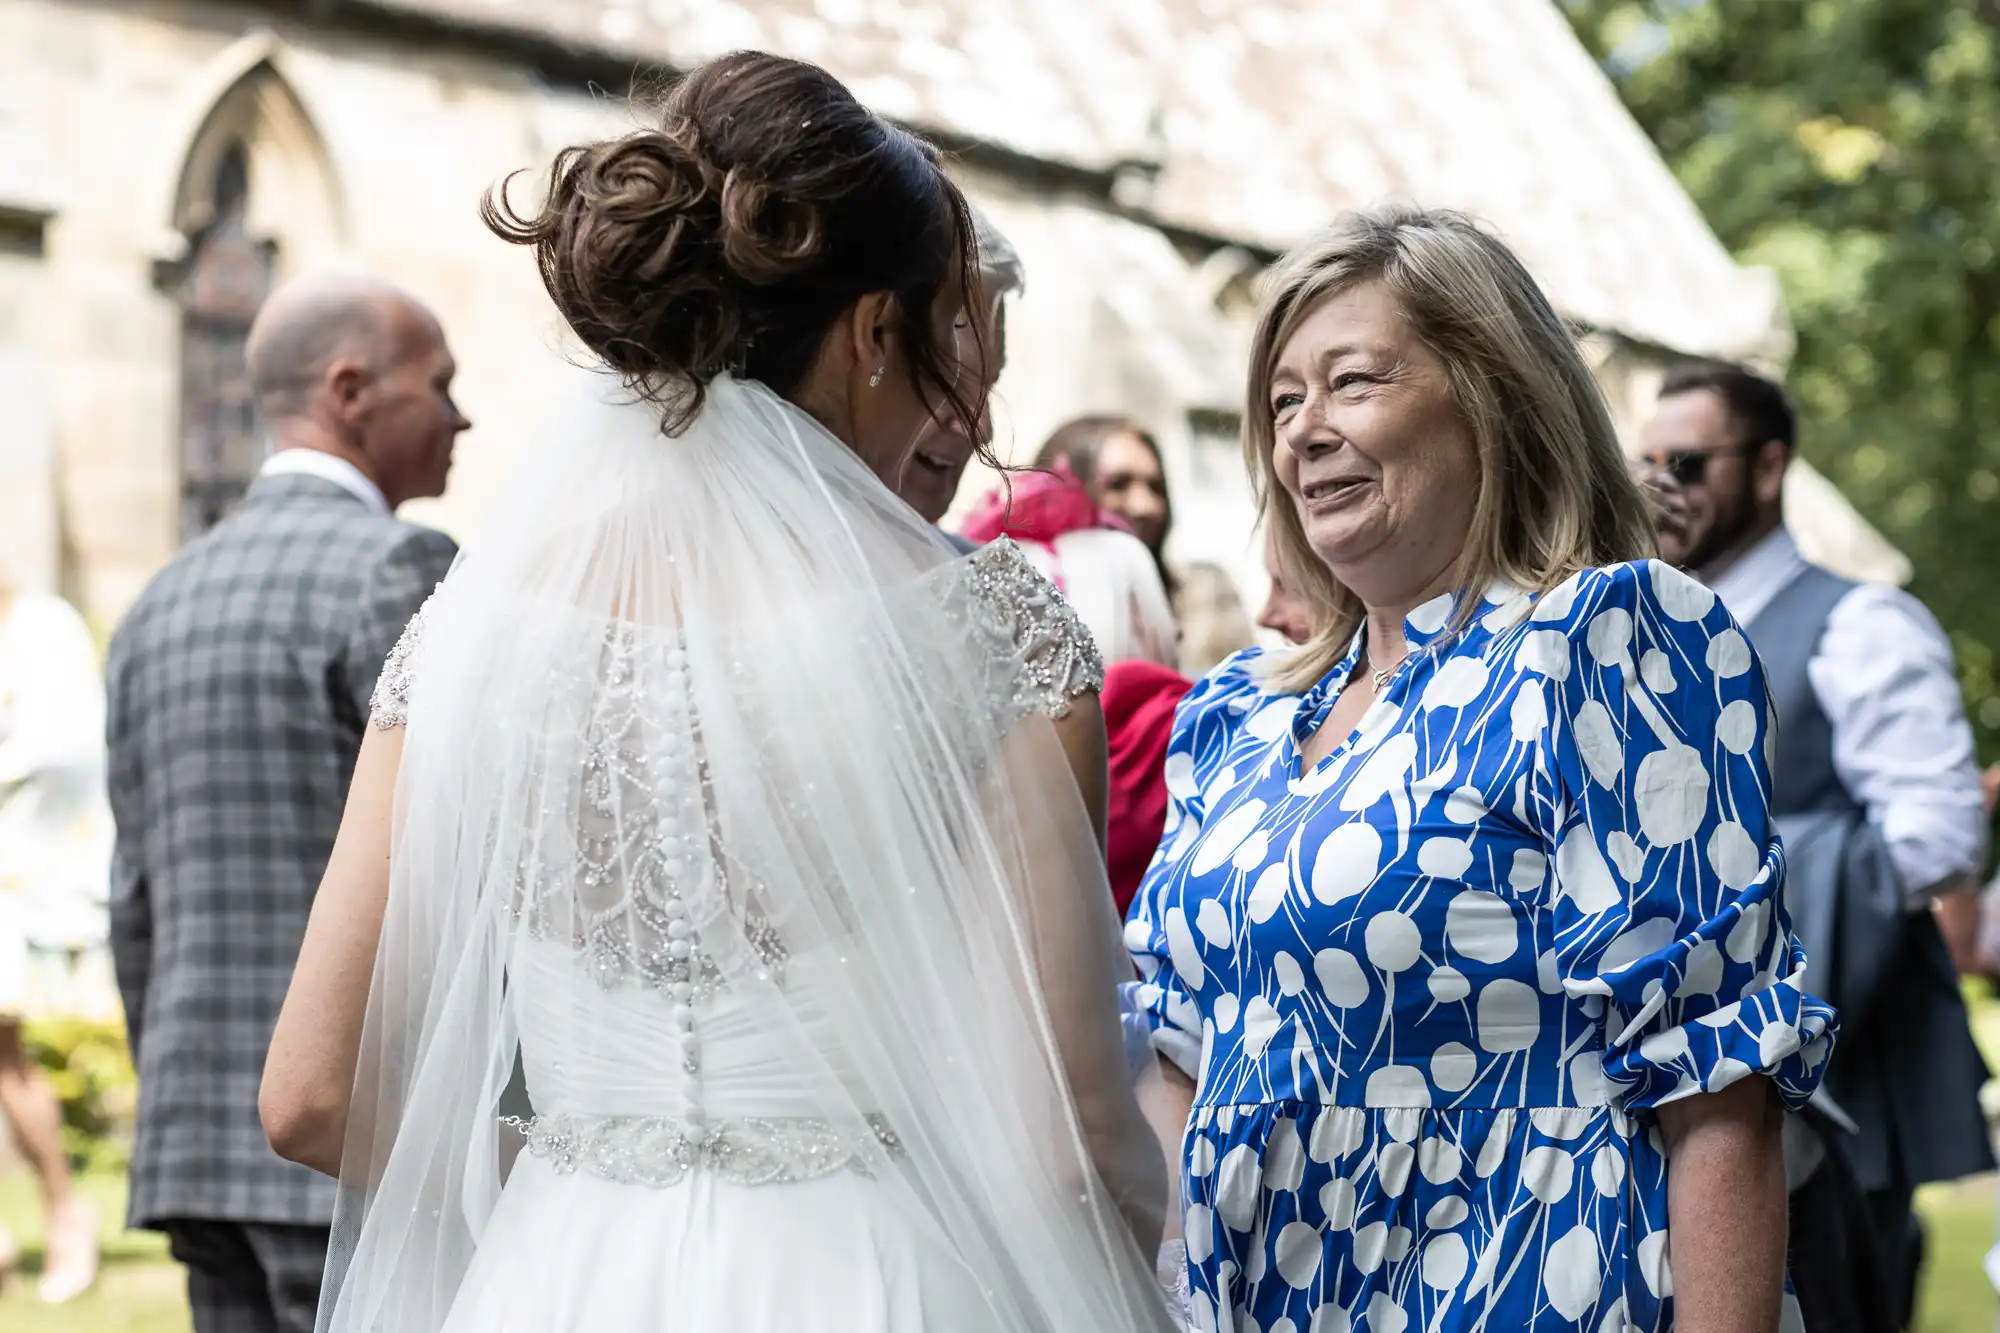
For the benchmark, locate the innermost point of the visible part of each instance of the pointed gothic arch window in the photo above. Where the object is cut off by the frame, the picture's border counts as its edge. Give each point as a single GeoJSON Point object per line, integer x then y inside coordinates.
{"type": "Point", "coordinates": [223, 281]}
{"type": "Point", "coordinates": [256, 197]}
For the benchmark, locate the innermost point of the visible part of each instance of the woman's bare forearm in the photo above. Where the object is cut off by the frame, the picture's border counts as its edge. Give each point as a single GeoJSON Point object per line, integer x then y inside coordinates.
{"type": "Point", "coordinates": [1166, 1099]}
{"type": "Point", "coordinates": [309, 1071]}
{"type": "Point", "coordinates": [1726, 1208]}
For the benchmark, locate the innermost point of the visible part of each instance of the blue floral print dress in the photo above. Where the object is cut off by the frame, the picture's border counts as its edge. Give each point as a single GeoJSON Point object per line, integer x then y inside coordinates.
{"type": "Point", "coordinates": [1431, 989]}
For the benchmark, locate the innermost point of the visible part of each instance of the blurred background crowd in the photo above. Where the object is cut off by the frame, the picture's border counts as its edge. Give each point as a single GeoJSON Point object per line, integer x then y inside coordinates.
{"type": "Point", "coordinates": [1804, 187]}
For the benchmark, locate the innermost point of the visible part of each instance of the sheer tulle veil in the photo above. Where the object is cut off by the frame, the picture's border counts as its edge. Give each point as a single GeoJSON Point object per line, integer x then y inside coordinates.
{"type": "Point", "coordinates": [730, 668]}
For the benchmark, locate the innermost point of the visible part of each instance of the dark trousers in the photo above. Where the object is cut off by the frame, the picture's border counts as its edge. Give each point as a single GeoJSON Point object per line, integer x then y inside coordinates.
{"type": "Point", "coordinates": [1834, 1257]}
{"type": "Point", "coordinates": [250, 1277]}
{"type": "Point", "coordinates": [1899, 1240]}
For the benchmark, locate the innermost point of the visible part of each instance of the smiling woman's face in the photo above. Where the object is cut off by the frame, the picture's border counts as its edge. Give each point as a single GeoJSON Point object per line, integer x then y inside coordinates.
{"type": "Point", "coordinates": [1370, 447]}
{"type": "Point", "coordinates": [1130, 482]}
{"type": "Point", "coordinates": [930, 477]}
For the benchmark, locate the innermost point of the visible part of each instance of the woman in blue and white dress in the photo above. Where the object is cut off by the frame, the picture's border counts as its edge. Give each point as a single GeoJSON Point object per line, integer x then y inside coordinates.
{"type": "Point", "coordinates": [1466, 946]}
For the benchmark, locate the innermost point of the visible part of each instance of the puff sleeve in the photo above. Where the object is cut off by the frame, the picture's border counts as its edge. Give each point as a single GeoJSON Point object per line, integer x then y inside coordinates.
{"type": "Point", "coordinates": [1654, 792]}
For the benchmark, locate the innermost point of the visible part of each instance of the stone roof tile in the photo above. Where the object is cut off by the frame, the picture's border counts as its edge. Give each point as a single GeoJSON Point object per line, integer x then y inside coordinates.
{"type": "Point", "coordinates": [1267, 117]}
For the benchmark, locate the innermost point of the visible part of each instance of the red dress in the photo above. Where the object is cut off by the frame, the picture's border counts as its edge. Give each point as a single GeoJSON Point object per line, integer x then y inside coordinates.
{"type": "Point", "coordinates": [1139, 700]}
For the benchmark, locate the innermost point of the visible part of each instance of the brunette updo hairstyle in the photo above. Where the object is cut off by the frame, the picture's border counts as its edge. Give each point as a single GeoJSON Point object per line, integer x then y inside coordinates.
{"type": "Point", "coordinates": [730, 238]}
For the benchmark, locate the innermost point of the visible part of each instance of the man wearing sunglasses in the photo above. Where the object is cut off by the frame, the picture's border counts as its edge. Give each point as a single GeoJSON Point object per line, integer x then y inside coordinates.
{"type": "Point", "coordinates": [1877, 795]}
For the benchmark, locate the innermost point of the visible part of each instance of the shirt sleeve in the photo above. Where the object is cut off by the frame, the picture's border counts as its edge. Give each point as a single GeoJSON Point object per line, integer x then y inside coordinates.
{"type": "Point", "coordinates": [1667, 901]}
{"type": "Point", "coordinates": [1157, 932]}
{"type": "Point", "coordinates": [1884, 675]}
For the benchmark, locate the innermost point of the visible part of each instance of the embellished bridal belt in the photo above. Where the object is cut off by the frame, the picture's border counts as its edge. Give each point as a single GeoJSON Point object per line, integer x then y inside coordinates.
{"type": "Point", "coordinates": [657, 1152]}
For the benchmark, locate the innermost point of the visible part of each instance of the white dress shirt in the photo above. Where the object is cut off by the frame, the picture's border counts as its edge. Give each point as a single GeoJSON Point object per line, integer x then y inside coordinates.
{"type": "Point", "coordinates": [327, 467]}
{"type": "Point", "coordinates": [1883, 674]}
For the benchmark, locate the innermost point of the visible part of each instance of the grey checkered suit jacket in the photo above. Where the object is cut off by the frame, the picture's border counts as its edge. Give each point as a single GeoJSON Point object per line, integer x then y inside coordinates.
{"type": "Point", "coordinates": [239, 686]}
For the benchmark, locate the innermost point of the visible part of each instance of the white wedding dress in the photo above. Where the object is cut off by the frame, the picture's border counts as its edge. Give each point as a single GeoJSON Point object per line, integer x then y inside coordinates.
{"type": "Point", "coordinates": [731, 805]}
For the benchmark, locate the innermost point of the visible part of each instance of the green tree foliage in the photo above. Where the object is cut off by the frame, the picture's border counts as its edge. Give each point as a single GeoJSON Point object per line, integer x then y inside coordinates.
{"type": "Point", "coordinates": [1854, 147]}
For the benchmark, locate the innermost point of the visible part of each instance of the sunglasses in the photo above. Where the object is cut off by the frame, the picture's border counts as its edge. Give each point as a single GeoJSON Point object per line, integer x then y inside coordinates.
{"type": "Point", "coordinates": [1689, 467]}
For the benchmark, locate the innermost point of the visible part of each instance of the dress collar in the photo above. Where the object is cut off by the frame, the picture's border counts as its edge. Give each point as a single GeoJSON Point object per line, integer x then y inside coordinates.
{"type": "Point", "coordinates": [1502, 605]}
{"type": "Point", "coordinates": [1424, 629]}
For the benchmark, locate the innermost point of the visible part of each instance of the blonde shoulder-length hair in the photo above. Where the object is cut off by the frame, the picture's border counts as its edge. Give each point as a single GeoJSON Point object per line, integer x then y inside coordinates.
{"type": "Point", "coordinates": [1555, 495]}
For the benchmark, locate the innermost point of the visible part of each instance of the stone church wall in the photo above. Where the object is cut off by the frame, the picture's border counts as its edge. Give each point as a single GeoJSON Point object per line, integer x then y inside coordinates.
{"type": "Point", "coordinates": [372, 155]}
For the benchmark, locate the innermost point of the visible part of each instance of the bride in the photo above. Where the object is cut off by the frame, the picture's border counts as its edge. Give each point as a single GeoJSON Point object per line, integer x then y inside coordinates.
{"type": "Point", "coordinates": [717, 936]}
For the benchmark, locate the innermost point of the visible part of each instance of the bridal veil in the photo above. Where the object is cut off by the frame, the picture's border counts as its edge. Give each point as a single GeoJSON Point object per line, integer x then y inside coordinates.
{"type": "Point", "coordinates": [715, 719]}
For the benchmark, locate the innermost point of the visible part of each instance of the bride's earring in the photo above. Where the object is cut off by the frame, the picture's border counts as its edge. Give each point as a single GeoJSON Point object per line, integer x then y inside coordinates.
{"type": "Point", "coordinates": [875, 380]}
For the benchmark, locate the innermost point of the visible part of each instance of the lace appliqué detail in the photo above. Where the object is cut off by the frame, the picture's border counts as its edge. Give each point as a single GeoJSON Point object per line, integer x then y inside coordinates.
{"type": "Point", "coordinates": [390, 706]}
{"type": "Point", "coordinates": [656, 1152]}
{"type": "Point", "coordinates": [642, 892]}
{"type": "Point", "coordinates": [1049, 655]}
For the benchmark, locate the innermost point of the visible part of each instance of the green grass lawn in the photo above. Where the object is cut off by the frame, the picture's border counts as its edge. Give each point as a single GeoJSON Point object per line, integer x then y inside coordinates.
{"type": "Point", "coordinates": [1958, 1219]}
{"type": "Point", "coordinates": [140, 1290]}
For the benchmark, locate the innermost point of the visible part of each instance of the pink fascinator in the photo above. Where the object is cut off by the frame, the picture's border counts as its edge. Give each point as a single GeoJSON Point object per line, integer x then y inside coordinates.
{"type": "Point", "coordinates": [1038, 507]}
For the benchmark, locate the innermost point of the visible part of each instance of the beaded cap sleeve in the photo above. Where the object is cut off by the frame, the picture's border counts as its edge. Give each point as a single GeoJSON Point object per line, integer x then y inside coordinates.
{"type": "Point", "coordinates": [1043, 655]}
{"type": "Point", "coordinates": [390, 707]}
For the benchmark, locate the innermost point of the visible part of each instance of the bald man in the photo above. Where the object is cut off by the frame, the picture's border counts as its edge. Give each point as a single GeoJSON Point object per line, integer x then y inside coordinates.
{"type": "Point", "coordinates": [354, 378]}
{"type": "Point", "coordinates": [239, 685]}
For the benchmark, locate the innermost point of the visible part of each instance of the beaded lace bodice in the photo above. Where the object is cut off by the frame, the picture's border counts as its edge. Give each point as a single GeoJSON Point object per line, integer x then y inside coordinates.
{"type": "Point", "coordinates": [646, 903]}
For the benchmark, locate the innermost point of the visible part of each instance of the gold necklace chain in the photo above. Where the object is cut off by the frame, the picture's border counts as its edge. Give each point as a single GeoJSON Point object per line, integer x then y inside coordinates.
{"type": "Point", "coordinates": [1382, 677]}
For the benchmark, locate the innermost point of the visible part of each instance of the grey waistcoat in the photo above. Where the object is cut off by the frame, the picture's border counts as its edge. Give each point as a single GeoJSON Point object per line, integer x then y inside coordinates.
{"type": "Point", "coordinates": [1904, 1068]}
{"type": "Point", "coordinates": [1786, 634]}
